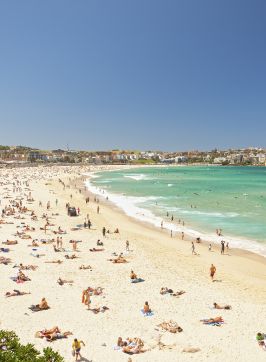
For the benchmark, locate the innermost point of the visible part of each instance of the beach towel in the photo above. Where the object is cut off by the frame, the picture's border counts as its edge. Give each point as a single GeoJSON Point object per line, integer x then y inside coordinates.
{"type": "Point", "coordinates": [216, 324]}
{"type": "Point", "coordinates": [35, 308]}
{"type": "Point", "coordinates": [150, 314]}
{"type": "Point", "coordinates": [138, 280]}
{"type": "Point", "coordinates": [15, 279]}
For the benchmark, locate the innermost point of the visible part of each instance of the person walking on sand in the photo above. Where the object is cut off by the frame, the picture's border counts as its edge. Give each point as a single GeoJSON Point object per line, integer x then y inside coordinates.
{"type": "Point", "coordinates": [222, 246]}
{"type": "Point", "coordinates": [193, 248]}
{"type": "Point", "coordinates": [127, 245]}
{"type": "Point", "coordinates": [76, 346]}
{"type": "Point", "coordinates": [182, 235]}
{"type": "Point", "coordinates": [212, 271]}
{"type": "Point", "coordinates": [104, 231]}
{"type": "Point", "coordinates": [98, 209]}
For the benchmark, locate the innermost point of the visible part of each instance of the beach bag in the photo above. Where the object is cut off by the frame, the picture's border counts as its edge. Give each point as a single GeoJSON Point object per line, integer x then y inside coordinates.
{"type": "Point", "coordinates": [73, 352]}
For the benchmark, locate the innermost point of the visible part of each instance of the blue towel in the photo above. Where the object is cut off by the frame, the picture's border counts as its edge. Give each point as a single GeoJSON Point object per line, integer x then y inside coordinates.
{"type": "Point", "coordinates": [150, 314]}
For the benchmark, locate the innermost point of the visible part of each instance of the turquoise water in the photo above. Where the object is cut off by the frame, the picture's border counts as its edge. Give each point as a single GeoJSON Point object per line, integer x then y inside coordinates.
{"type": "Point", "coordinates": [205, 198]}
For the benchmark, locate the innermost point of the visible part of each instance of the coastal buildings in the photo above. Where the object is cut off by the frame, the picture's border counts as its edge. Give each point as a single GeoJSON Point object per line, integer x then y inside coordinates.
{"type": "Point", "coordinates": [20, 154]}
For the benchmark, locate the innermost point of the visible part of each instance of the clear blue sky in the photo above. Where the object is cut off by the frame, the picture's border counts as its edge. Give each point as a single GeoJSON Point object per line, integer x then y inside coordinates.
{"type": "Point", "coordinates": [134, 74]}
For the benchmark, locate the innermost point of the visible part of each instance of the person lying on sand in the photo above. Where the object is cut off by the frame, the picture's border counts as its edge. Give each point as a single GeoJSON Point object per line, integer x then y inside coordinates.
{"type": "Point", "coordinates": [213, 320]}
{"type": "Point", "coordinates": [178, 293]}
{"type": "Point", "coordinates": [73, 256]}
{"type": "Point", "coordinates": [171, 292]}
{"type": "Point", "coordinates": [62, 281]}
{"type": "Point", "coordinates": [226, 306]}
{"type": "Point", "coordinates": [34, 243]}
{"type": "Point", "coordinates": [25, 236]}
{"type": "Point", "coordinates": [52, 334]}
{"type": "Point", "coordinates": [119, 259]}
{"type": "Point", "coordinates": [133, 346]}
{"type": "Point", "coordinates": [10, 242]}
{"type": "Point", "coordinates": [170, 326]}
{"type": "Point", "coordinates": [83, 267]}
{"type": "Point", "coordinates": [54, 262]}
{"type": "Point", "coordinates": [95, 249]}
{"type": "Point", "coordinates": [25, 267]}
{"type": "Point", "coordinates": [165, 290]}
{"type": "Point", "coordinates": [97, 291]}
{"type": "Point", "coordinates": [99, 310]}
{"type": "Point", "coordinates": [15, 293]}
{"type": "Point", "coordinates": [4, 260]}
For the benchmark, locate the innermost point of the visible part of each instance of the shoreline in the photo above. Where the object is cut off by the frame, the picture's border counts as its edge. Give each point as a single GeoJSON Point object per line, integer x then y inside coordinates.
{"type": "Point", "coordinates": [190, 234]}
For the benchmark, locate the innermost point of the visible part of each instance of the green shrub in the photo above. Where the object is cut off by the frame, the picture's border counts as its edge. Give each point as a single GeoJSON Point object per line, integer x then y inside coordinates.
{"type": "Point", "coordinates": [11, 350]}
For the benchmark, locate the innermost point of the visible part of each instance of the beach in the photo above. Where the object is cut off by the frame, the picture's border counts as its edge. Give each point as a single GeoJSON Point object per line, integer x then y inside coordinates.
{"type": "Point", "coordinates": [162, 261]}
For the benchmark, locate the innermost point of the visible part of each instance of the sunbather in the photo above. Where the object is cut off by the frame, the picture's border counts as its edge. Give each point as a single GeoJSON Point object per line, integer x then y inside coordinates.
{"type": "Point", "coordinates": [54, 262]}
{"type": "Point", "coordinates": [213, 320]}
{"type": "Point", "coordinates": [73, 256]}
{"type": "Point", "coordinates": [146, 308]}
{"type": "Point", "coordinates": [83, 267]}
{"type": "Point", "coordinates": [170, 326]}
{"type": "Point", "coordinates": [22, 277]}
{"type": "Point", "coordinates": [62, 281]}
{"type": "Point", "coordinates": [165, 290]}
{"type": "Point", "coordinates": [15, 293]}
{"type": "Point", "coordinates": [133, 275]}
{"type": "Point", "coordinates": [43, 304]}
{"type": "Point", "coordinates": [10, 242]}
{"type": "Point", "coordinates": [99, 309]}
{"type": "Point", "coordinates": [217, 306]}
{"type": "Point", "coordinates": [4, 260]}
{"type": "Point", "coordinates": [52, 334]}
{"type": "Point", "coordinates": [119, 260]}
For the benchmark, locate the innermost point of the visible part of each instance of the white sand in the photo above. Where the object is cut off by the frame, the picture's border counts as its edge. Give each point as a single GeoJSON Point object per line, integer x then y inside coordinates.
{"type": "Point", "coordinates": [160, 260]}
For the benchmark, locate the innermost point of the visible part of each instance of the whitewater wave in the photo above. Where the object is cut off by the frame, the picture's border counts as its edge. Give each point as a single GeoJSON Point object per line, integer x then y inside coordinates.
{"type": "Point", "coordinates": [136, 177]}
{"type": "Point", "coordinates": [131, 206]}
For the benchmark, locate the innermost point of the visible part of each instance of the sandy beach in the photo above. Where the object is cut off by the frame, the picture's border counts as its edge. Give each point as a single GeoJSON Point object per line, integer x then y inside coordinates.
{"type": "Point", "coordinates": [162, 261]}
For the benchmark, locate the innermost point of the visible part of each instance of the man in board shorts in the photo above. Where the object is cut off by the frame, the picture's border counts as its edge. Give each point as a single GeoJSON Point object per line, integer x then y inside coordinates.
{"type": "Point", "coordinates": [76, 345]}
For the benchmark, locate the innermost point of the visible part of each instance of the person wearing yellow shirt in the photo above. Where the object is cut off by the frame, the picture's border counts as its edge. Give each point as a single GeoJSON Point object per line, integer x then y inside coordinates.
{"type": "Point", "coordinates": [76, 345]}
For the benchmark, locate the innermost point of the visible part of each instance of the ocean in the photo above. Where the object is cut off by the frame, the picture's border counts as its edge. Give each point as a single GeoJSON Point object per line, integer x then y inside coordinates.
{"type": "Point", "coordinates": [204, 198]}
